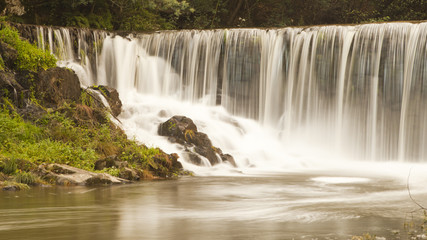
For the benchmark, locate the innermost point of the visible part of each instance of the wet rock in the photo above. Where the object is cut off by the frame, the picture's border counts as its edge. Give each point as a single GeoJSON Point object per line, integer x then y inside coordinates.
{"type": "Point", "coordinates": [58, 85]}
{"type": "Point", "coordinates": [228, 158]}
{"type": "Point", "coordinates": [193, 158]}
{"type": "Point", "coordinates": [65, 175]}
{"type": "Point", "coordinates": [162, 113]}
{"type": "Point", "coordinates": [178, 127]}
{"type": "Point", "coordinates": [182, 130]}
{"type": "Point", "coordinates": [112, 97]}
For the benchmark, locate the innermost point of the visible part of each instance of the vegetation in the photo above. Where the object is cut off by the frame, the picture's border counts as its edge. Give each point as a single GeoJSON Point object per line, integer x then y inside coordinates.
{"type": "Point", "coordinates": [144, 15]}
{"type": "Point", "coordinates": [29, 56]}
{"type": "Point", "coordinates": [35, 130]}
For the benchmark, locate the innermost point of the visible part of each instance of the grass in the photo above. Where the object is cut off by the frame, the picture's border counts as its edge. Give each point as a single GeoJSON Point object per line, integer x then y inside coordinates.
{"type": "Point", "coordinates": [56, 138]}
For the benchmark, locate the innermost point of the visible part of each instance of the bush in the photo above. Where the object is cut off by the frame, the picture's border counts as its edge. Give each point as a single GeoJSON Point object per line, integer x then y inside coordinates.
{"type": "Point", "coordinates": [29, 56]}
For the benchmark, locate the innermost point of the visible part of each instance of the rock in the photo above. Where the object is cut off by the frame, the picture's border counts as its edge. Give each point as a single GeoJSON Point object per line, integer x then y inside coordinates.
{"type": "Point", "coordinates": [182, 130]}
{"type": "Point", "coordinates": [109, 162]}
{"type": "Point", "coordinates": [65, 175]}
{"type": "Point", "coordinates": [31, 111]}
{"type": "Point", "coordinates": [9, 55]}
{"type": "Point", "coordinates": [11, 188]}
{"type": "Point", "coordinates": [193, 158]}
{"type": "Point", "coordinates": [228, 158]}
{"type": "Point", "coordinates": [10, 88]}
{"type": "Point", "coordinates": [176, 165]}
{"type": "Point", "coordinates": [58, 85]}
{"type": "Point", "coordinates": [178, 127]}
{"type": "Point", "coordinates": [112, 97]}
{"type": "Point", "coordinates": [129, 174]}
{"type": "Point", "coordinates": [162, 113]}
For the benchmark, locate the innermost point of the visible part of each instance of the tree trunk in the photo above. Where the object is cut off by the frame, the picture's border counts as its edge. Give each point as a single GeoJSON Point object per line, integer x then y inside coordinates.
{"type": "Point", "coordinates": [234, 14]}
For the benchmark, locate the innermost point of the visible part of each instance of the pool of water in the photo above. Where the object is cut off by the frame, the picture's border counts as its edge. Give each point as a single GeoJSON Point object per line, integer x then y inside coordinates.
{"type": "Point", "coordinates": [262, 206]}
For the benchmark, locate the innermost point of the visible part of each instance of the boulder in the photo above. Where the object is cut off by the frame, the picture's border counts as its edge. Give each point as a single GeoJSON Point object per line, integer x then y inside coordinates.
{"type": "Point", "coordinates": [65, 175]}
{"type": "Point", "coordinates": [112, 97]}
{"type": "Point", "coordinates": [182, 130]}
{"type": "Point", "coordinates": [58, 85]}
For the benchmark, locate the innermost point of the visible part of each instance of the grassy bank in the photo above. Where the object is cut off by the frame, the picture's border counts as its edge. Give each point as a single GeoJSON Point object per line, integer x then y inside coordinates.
{"type": "Point", "coordinates": [37, 128]}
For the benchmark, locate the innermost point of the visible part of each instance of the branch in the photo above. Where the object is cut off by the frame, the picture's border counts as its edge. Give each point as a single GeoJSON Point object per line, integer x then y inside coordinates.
{"type": "Point", "coordinates": [409, 192]}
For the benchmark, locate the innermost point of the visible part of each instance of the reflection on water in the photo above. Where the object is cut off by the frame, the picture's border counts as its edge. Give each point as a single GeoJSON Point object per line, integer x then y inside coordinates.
{"type": "Point", "coordinates": [296, 206]}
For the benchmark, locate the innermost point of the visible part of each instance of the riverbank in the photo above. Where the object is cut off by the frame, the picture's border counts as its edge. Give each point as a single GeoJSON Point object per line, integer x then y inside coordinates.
{"type": "Point", "coordinates": [48, 122]}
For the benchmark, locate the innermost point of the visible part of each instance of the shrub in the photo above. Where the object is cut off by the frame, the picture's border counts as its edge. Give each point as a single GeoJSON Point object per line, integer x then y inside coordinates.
{"type": "Point", "coordinates": [29, 56]}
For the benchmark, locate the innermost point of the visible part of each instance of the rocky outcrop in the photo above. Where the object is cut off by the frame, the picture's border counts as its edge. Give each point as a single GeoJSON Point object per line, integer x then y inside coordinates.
{"type": "Point", "coordinates": [112, 97]}
{"type": "Point", "coordinates": [8, 54]}
{"type": "Point", "coordinates": [183, 131]}
{"type": "Point", "coordinates": [10, 88]}
{"type": "Point", "coordinates": [57, 85]}
{"type": "Point", "coordinates": [65, 175]}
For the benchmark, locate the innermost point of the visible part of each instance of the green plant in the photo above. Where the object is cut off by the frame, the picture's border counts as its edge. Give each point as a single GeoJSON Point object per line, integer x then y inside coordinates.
{"type": "Point", "coordinates": [25, 177]}
{"type": "Point", "coordinates": [29, 56]}
{"type": "Point", "coordinates": [10, 166]}
{"type": "Point", "coordinates": [112, 171]}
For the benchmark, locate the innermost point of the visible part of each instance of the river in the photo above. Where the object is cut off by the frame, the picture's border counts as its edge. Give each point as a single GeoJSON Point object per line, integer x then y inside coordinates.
{"type": "Point", "coordinates": [262, 206]}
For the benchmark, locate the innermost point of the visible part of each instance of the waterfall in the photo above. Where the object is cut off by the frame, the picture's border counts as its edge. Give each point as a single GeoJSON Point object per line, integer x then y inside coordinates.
{"type": "Point", "coordinates": [355, 92]}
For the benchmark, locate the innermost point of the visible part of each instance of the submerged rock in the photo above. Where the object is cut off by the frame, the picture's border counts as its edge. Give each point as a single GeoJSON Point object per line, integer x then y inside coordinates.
{"type": "Point", "coordinates": [182, 130]}
{"type": "Point", "coordinates": [66, 175]}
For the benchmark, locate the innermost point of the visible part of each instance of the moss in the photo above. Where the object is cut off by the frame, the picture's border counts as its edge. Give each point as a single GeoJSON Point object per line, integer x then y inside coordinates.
{"type": "Point", "coordinates": [189, 135]}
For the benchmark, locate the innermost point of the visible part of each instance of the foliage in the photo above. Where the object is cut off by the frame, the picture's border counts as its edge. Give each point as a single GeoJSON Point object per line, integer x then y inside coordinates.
{"type": "Point", "coordinates": [144, 15]}
{"type": "Point", "coordinates": [25, 178]}
{"type": "Point", "coordinates": [25, 140]}
{"type": "Point", "coordinates": [9, 166]}
{"type": "Point", "coordinates": [112, 171]}
{"type": "Point", "coordinates": [29, 56]}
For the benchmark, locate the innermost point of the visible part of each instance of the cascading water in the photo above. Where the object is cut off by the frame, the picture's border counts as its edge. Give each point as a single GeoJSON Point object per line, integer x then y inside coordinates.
{"type": "Point", "coordinates": [268, 97]}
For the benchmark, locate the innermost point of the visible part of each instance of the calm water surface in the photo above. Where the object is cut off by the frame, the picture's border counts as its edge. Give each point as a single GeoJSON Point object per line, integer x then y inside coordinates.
{"type": "Point", "coordinates": [290, 206]}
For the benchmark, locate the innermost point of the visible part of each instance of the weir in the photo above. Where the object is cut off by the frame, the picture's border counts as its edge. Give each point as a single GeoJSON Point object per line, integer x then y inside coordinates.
{"type": "Point", "coordinates": [358, 91]}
